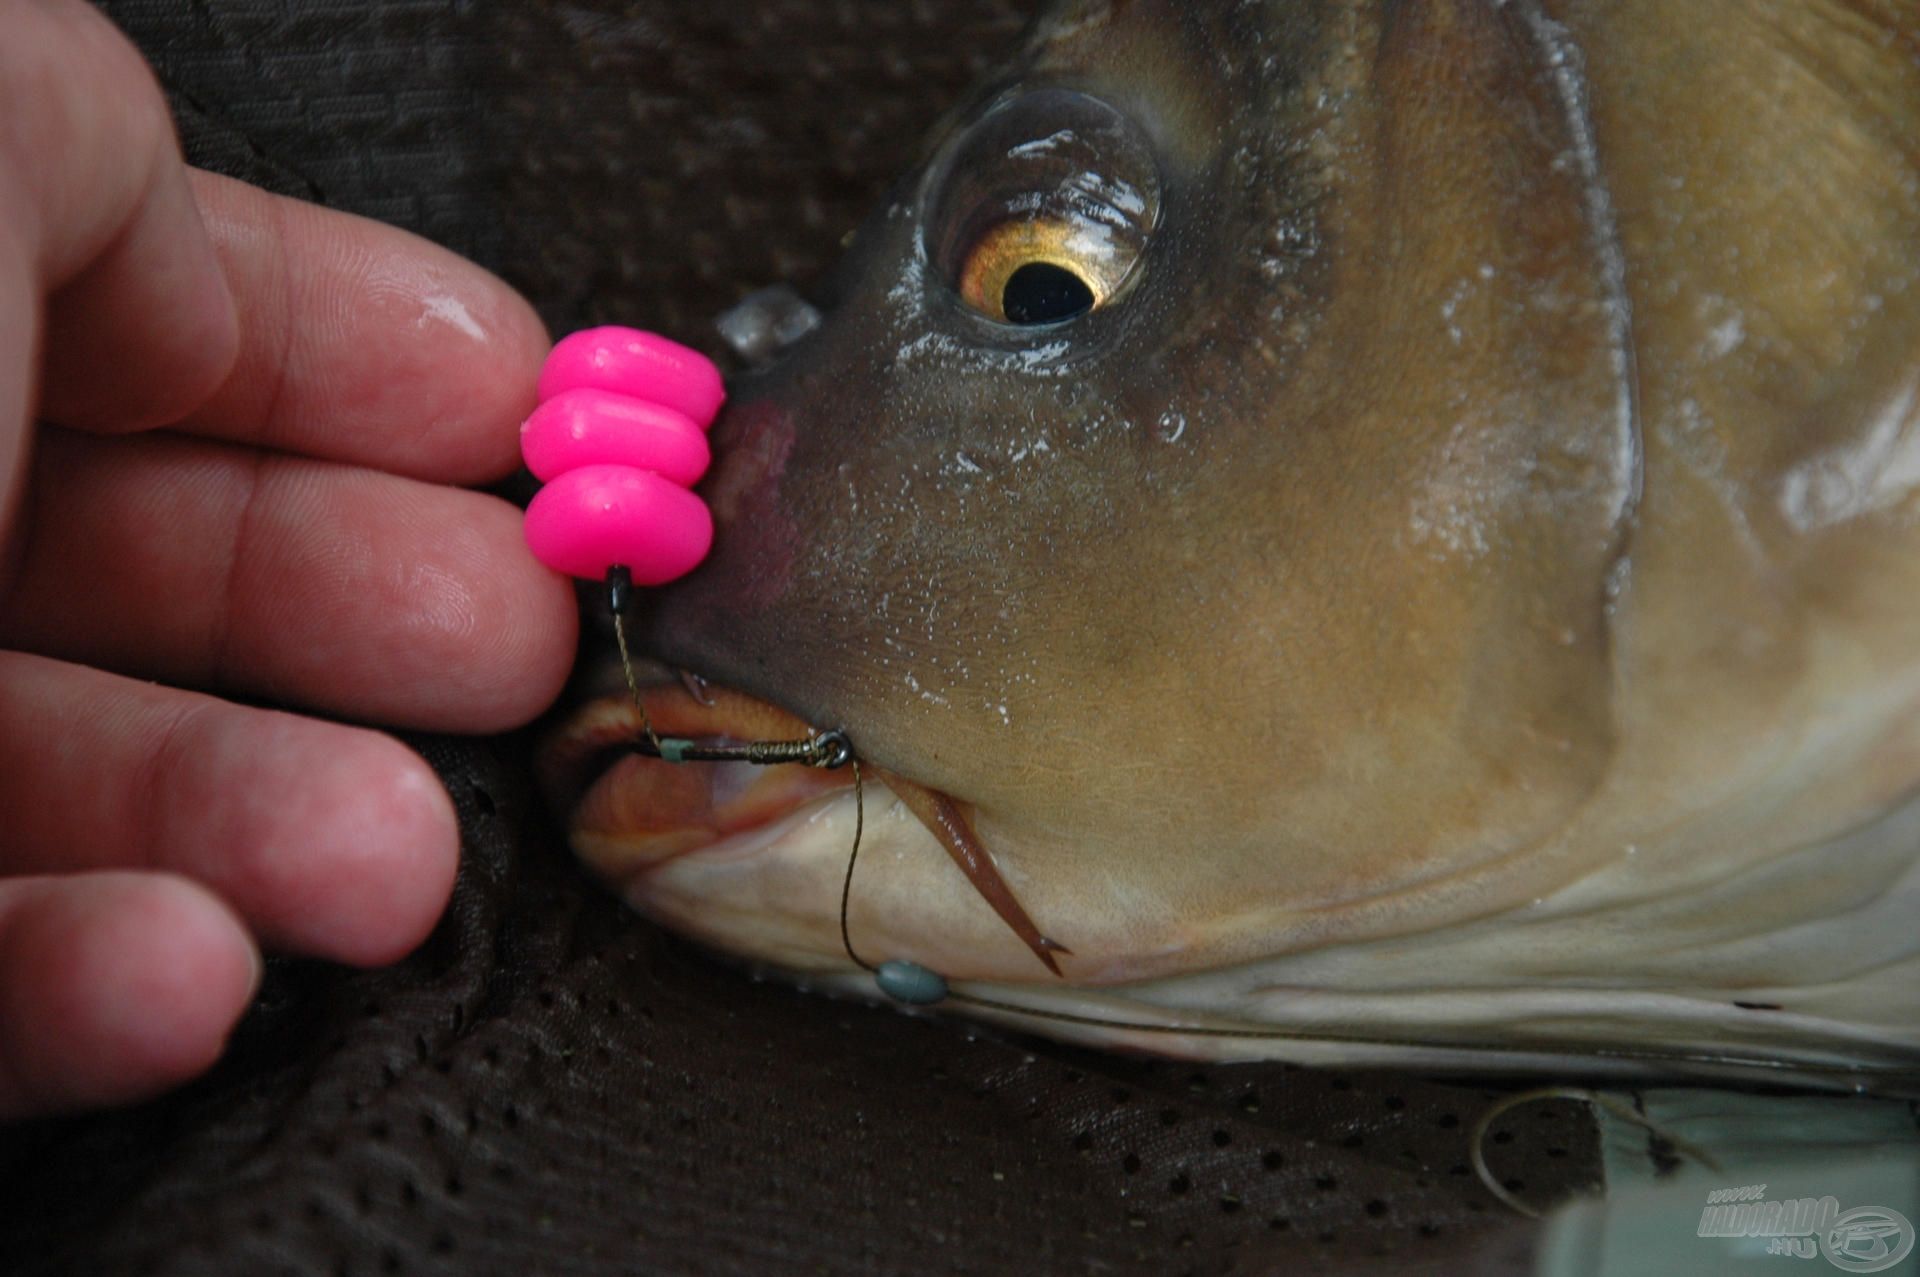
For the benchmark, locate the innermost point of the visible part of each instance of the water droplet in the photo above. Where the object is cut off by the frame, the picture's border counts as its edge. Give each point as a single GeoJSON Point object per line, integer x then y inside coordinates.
{"type": "Point", "coordinates": [697, 687]}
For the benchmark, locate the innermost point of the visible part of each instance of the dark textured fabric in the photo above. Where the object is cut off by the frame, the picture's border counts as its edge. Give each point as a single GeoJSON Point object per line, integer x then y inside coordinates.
{"type": "Point", "coordinates": [551, 1085]}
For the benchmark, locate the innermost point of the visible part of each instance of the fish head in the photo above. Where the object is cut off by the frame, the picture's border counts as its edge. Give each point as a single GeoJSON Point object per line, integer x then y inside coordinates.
{"type": "Point", "coordinates": [1206, 484]}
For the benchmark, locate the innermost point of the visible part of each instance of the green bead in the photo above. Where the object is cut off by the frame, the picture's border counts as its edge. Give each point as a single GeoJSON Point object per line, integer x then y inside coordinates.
{"type": "Point", "coordinates": [911, 983]}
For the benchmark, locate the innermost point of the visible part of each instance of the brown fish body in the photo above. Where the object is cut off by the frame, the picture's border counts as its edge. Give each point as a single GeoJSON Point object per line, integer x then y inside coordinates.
{"type": "Point", "coordinates": [1455, 595]}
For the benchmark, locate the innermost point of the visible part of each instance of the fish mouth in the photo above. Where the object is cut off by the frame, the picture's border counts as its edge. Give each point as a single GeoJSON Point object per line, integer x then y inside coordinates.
{"type": "Point", "coordinates": [632, 812]}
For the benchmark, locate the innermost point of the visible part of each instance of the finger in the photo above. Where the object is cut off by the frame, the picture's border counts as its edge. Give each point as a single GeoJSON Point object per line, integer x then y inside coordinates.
{"type": "Point", "coordinates": [328, 840]}
{"type": "Point", "coordinates": [114, 987]}
{"type": "Point", "coordinates": [362, 343]}
{"type": "Point", "coordinates": [370, 596]}
{"type": "Point", "coordinates": [139, 325]}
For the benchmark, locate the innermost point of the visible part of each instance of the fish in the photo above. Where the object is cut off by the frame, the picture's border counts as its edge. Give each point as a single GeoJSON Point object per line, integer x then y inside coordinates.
{"type": "Point", "coordinates": [1353, 532]}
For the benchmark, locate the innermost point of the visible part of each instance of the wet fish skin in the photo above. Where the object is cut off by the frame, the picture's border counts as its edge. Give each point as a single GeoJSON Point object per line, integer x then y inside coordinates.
{"type": "Point", "coordinates": [1464, 590]}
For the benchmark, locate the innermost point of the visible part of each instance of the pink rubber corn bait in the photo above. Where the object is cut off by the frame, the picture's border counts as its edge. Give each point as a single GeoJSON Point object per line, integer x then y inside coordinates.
{"type": "Point", "coordinates": [600, 517]}
{"type": "Point", "coordinates": [619, 439]}
{"type": "Point", "coordinates": [597, 427]}
{"type": "Point", "coordinates": [644, 365]}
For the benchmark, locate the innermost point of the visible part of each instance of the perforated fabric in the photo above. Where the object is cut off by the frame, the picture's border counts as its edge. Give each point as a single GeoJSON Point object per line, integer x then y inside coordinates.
{"type": "Point", "coordinates": [551, 1085]}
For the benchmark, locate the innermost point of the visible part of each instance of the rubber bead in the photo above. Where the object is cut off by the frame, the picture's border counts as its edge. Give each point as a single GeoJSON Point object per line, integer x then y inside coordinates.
{"type": "Point", "coordinates": [911, 983]}
{"type": "Point", "coordinates": [630, 362]}
{"type": "Point", "coordinates": [587, 427]}
{"type": "Point", "coordinates": [590, 519]}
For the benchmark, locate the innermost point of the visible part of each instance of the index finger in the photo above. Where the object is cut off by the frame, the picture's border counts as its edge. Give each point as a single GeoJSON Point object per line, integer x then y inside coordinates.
{"type": "Point", "coordinates": [364, 344]}
{"type": "Point", "coordinates": [97, 220]}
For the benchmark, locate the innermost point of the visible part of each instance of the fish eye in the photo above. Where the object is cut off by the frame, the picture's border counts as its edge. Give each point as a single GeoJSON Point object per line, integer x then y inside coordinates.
{"type": "Point", "coordinates": [1041, 212]}
{"type": "Point", "coordinates": [1026, 272]}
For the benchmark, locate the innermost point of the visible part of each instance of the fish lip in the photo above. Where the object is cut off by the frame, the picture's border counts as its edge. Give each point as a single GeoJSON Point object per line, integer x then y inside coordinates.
{"type": "Point", "coordinates": [747, 844]}
{"type": "Point", "coordinates": [639, 812]}
{"type": "Point", "coordinates": [628, 814]}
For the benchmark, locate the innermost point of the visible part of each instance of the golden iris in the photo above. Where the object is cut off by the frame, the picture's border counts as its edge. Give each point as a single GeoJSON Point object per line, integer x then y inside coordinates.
{"type": "Point", "coordinates": [1032, 271]}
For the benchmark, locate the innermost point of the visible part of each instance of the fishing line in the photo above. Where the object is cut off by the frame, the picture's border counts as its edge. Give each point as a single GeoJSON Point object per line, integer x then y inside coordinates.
{"type": "Point", "coordinates": [827, 750]}
{"type": "Point", "coordinates": [619, 590]}
{"type": "Point", "coordinates": [1612, 1104]}
{"type": "Point", "coordinates": [846, 886]}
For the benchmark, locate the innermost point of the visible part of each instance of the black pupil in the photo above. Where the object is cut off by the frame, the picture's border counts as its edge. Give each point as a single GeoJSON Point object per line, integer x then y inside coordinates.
{"type": "Point", "coordinates": [1042, 293]}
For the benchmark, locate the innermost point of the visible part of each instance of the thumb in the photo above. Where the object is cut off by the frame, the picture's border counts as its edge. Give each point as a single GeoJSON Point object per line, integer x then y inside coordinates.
{"type": "Point", "coordinates": [138, 324]}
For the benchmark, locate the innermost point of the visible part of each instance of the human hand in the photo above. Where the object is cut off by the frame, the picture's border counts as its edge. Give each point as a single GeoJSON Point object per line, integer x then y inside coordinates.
{"type": "Point", "coordinates": [287, 536]}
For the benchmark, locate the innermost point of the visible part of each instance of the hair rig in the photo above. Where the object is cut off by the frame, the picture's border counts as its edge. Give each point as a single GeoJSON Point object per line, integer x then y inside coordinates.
{"type": "Point", "coordinates": [619, 439]}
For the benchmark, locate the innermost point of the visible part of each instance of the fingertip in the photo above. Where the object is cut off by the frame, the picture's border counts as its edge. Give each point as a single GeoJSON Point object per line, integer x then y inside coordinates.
{"type": "Point", "coordinates": [347, 849]}
{"type": "Point", "coordinates": [539, 641]}
{"type": "Point", "coordinates": [519, 348]}
{"type": "Point", "coordinates": [366, 344]}
{"type": "Point", "coordinates": [487, 348]}
{"type": "Point", "coordinates": [393, 852]}
{"type": "Point", "coordinates": [115, 987]}
{"type": "Point", "coordinates": [519, 640]}
{"type": "Point", "coordinates": [425, 339]}
{"type": "Point", "coordinates": [467, 633]}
